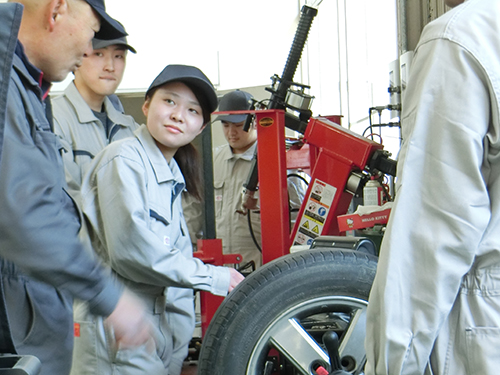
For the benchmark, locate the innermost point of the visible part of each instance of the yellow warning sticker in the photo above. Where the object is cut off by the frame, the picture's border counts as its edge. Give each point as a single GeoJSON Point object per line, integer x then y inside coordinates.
{"type": "Point", "coordinates": [316, 211]}
{"type": "Point", "coordinates": [313, 218]}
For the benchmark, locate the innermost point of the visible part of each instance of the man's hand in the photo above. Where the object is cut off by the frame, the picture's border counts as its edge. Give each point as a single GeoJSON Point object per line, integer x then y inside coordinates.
{"type": "Point", "coordinates": [129, 322]}
{"type": "Point", "coordinates": [248, 201]}
{"type": "Point", "coordinates": [236, 278]}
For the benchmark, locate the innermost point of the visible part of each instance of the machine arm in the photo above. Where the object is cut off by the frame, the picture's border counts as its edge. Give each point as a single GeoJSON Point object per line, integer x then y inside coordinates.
{"type": "Point", "coordinates": [278, 97]}
{"type": "Point", "coordinates": [277, 100]}
{"type": "Point", "coordinates": [383, 163]}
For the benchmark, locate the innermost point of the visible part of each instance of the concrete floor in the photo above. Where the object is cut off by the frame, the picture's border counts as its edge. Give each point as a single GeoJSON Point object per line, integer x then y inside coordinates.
{"type": "Point", "coordinates": [189, 368]}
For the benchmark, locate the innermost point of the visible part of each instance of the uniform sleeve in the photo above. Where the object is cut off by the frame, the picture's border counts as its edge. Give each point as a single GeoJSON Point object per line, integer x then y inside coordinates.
{"type": "Point", "coordinates": [38, 221]}
{"type": "Point", "coordinates": [441, 209]}
{"type": "Point", "coordinates": [120, 203]}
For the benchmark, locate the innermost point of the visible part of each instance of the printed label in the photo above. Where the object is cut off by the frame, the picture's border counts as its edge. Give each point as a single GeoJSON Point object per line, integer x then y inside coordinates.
{"type": "Point", "coordinates": [166, 240]}
{"type": "Point", "coordinates": [314, 216]}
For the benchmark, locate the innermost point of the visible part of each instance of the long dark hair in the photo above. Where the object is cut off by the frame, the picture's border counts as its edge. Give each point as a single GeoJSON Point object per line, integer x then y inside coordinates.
{"type": "Point", "coordinates": [187, 156]}
{"type": "Point", "coordinates": [189, 161]}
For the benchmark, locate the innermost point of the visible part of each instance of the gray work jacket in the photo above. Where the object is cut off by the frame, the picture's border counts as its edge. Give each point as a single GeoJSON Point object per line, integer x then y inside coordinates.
{"type": "Point", "coordinates": [83, 135]}
{"type": "Point", "coordinates": [131, 197]}
{"type": "Point", "coordinates": [435, 304]}
{"type": "Point", "coordinates": [43, 265]}
{"type": "Point", "coordinates": [38, 220]}
{"type": "Point", "coordinates": [230, 173]}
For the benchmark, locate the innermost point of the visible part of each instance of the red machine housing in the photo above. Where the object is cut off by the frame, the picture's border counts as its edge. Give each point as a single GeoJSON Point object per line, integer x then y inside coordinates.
{"type": "Point", "coordinates": [330, 155]}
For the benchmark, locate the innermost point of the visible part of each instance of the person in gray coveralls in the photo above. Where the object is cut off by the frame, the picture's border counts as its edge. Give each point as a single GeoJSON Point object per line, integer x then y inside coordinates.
{"type": "Point", "coordinates": [43, 265]}
{"type": "Point", "coordinates": [131, 198]}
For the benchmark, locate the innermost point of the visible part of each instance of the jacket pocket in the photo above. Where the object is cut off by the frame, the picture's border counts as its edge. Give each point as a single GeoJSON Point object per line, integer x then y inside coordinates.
{"type": "Point", "coordinates": [48, 143]}
{"type": "Point", "coordinates": [51, 316]}
{"type": "Point", "coordinates": [482, 345]}
{"type": "Point", "coordinates": [160, 224]}
{"type": "Point", "coordinates": [158, 217]}
{"type": "Point", "coordinates": [218, 197]}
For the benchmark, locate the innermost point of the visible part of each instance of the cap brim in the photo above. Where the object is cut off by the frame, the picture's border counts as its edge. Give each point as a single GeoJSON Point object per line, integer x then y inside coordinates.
{"type": "Point", "coordinates": [130, 48]}
{"type": "Point", "coordinates": [231, 118]}
{"type": "Point", "coordinates": [99, 43]}
{"type": "Point", "coordinates": [110, 28]}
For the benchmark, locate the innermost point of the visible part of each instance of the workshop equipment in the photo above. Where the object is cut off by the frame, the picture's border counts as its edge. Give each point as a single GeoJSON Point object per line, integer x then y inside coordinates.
{"type": "Point", "coordinates": [340, 163]}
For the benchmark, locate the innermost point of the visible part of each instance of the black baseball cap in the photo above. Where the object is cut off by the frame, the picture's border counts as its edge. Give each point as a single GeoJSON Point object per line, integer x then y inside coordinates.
{"type": "Point", "coordinates": [193, 77]}
{"type": "Point", "coordinates": [235, 101]}
{"type": "Point", "coordinates": [110, 28]}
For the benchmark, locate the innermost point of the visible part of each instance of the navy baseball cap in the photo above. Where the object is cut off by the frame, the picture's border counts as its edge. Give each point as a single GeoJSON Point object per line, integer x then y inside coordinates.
{"type": "Point", "coordinates": [110, 28]}
{"type": "Point", "coordinates": [235, 101]}
{"type": "Point", "coordinates": [193, 77]}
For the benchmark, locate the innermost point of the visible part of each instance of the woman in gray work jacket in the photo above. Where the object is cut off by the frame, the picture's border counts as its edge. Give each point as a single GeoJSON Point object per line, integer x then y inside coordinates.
{"type": "Point", "coordinates": [132, 200]}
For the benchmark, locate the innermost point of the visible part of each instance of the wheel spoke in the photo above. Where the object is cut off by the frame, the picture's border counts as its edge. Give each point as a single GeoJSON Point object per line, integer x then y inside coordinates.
{"type": "Point", "coordinates": [352, 344]}
{"type": "Point", "coordinates": [291, 339]}
{"type": "Point", "coordinates": [268, 368]}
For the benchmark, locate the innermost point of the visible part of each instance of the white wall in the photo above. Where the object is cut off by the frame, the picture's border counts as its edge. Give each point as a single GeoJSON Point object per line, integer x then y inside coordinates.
{"type": "Point", "coordinates": [242, 43]}
{"type": "Point", "coordinates": [237, 43]}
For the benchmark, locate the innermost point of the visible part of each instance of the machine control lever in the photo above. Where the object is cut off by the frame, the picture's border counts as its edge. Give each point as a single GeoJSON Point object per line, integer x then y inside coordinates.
{"type": "Point", "coordinates": [331, 341]}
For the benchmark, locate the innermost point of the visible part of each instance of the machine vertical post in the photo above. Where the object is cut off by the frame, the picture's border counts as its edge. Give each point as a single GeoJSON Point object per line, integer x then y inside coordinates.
{"type": "Point", "coordinates": [273, 193]}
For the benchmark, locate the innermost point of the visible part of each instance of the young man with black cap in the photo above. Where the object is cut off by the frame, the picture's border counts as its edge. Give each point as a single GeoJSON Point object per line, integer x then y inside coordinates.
{"type": "Point", "coordinates": [43, 265]}
{"type": "Point", "coordinates": [85, 117]}
{"type": "Point", "coordinates": [232, 164]}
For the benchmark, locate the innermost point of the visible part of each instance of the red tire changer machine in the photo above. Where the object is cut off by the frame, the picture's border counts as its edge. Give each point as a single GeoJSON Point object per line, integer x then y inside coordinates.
{"type": "Point", "coordinates": [338, 161]}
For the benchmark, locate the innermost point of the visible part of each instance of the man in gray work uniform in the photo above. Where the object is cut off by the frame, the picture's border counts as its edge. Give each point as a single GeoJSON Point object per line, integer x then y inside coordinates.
{"type": "Point", "coordinates": [84, 116]}
{"type": "Point", "coordinates": [43, 266]}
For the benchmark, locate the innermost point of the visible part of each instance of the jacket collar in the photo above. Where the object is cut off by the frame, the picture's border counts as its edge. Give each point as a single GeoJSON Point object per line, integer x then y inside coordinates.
{"type": "Point", "coordinates": [163, 170]}
{"type": "Point", "coordinates": [84, 112]}
{"type": "Point", "coordinates": [247, 155]}
{"type": "Point", "coordinates": [33, 72]}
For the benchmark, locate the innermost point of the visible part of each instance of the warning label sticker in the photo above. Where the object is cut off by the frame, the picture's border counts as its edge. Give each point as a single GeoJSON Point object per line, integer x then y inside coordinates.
{"type": "Point", "coordinates": [317, 218]}
{"type": "Point", "coordinates": [313, 219]}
